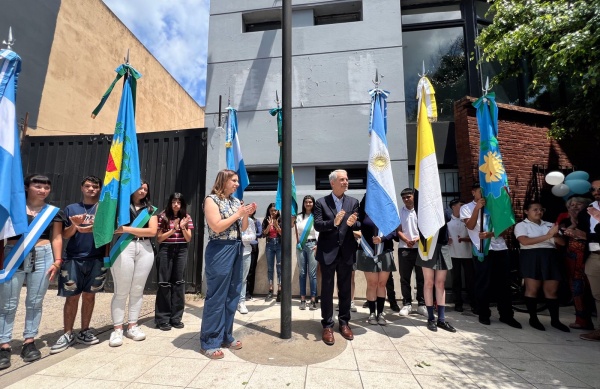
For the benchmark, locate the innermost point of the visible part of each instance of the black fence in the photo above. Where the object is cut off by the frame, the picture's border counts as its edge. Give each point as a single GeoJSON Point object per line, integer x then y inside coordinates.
{"type": "Point", "coordinates": [171, 161]}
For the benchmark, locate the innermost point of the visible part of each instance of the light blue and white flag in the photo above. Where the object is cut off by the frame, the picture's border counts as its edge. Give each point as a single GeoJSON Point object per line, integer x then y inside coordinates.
{"type": "Point", "coordinates": [13, 214]}
{"type": "Point", "coordinates": [381, 205]}
{"type": "Point", "coordinates": [233, 153]}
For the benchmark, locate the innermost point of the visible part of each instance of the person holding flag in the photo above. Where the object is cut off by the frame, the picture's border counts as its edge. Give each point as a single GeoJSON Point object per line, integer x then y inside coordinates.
{"type": "Point", "coordinates": [34, 257]}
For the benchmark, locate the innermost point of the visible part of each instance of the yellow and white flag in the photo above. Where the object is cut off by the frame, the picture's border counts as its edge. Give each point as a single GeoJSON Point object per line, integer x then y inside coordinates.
{"type": "Point", "coordinates": [430, 209]}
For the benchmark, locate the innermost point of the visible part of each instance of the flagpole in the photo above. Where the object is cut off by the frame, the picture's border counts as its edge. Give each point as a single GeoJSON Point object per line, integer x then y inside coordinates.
{"type": "Point", "coordinates": [286, 205]}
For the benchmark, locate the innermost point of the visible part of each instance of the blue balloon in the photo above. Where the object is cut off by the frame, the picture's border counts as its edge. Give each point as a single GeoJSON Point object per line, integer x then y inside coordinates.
{"type": "Point", "coordinates": [578, 186]}
{"type": "Point", "coordinates": [577, 175]}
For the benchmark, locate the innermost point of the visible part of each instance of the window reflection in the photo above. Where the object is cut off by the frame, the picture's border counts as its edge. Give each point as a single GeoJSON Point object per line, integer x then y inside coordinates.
{"type": "Point", "coordinates": [445, 63]}
{"type": "Point", "coordinates": [431, 14]}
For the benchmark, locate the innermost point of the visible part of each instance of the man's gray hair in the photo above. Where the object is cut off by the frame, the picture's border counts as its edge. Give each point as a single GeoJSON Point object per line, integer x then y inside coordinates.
{"type": "Point", "coordinates": [333, 174]}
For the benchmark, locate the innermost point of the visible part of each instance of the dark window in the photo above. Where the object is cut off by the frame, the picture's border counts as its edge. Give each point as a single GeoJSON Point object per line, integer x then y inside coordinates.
{"type": "Point", "coordinates": [337, 18]}
{"type": "Point", "coordinates": [262, 180]}
{"type": "Point", "coordinates": [263, 26]}
{"type": "Point", "coordinates": [431, 14]}
{"type": "Point", "coordinates": [357, 178]}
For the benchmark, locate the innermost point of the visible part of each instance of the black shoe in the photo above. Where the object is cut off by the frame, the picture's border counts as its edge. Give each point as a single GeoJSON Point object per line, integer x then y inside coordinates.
{"type": "Point", "coordinates": [30, 353]}
{"type": "Point", "coordinates": [5, 358]}
{"type": "Point", "coordinates": [270, 295]}
{"type": "Point", "coordinates": [394, 307]}
{"type": "Point", "coordinates": [535, 323]}
{"type": "Point", "coordinates": [179, 325]}
{"type": "Point", "coordinates": [431, 325]}
{"type": "Point", "coordinates": [560, 326]}
{"type": "Point", "coordinates": [511, 322]}
{"type": "Point", "coordinates": [163, 326]}
{"type": "Point", "coordinates": [365, 304]}
{"type": "Point", "coordinates": [446, 326]}
{"type": "Point", "coordinates": [485, 321]}
{"type": "Point", "coordinates": [458, 308]}
{"type": "Point", "coordinates": [278, 298]}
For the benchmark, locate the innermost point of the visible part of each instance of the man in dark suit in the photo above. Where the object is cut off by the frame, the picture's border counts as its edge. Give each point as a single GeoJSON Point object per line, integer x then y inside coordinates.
{"type": "Point", "coordinates": [334, 218]}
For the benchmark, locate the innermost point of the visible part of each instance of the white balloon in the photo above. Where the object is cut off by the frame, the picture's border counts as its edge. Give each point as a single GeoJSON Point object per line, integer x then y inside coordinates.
{"type": "Point", "coordinates": [555, 178]}
{"type": "Point", "coordinates": [560, 190]}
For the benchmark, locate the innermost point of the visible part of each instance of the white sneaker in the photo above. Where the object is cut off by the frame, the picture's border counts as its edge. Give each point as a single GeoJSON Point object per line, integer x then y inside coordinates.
{"type": "Point", "coordinates": [63, 343]}
{"type": "Point", "coordinates": [372, 319]}
{"type": "Point", "coordinates": [381, 320]}
{"type": "Point", "coordinates": [422, 310]}
{"type": "Point", "coordinates": [135, 333]}
{"type": "Point", "coordinates": [116, 338]}
{"type": "Point", "coordinates": [353, 307]}
{"type": "Point", "coordinates": [242, 308]}
{"type": "Point", "coordinates": [406, 310]}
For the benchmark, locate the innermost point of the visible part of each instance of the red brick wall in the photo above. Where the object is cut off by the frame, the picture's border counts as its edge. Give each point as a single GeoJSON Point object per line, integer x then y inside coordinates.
{"type": "Point", "coordinates": [523, 140]}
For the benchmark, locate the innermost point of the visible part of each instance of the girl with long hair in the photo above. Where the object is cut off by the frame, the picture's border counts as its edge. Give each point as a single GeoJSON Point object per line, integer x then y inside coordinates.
{"type": "Point", "coordinates": [305, 251]}
{"type": "Point", "coordinates": [272, 231]}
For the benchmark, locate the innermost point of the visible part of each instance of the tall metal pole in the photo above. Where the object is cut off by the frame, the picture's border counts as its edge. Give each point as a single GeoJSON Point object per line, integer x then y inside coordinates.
{"type": "Point", "coordinates": [286, 203]}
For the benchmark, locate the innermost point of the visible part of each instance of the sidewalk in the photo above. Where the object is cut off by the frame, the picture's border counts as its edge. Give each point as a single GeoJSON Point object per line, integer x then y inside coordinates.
{"type": "Point", "coordinates": [403, 354]}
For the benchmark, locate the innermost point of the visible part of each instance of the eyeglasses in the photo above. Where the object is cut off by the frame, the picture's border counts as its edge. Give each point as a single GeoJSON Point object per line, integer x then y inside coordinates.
{"type": "Point", "coordinates": [594, 189]}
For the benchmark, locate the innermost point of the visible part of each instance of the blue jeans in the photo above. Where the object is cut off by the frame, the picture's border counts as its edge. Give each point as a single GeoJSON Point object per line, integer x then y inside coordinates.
{"type": "Point", "coordinates": [34, 269]}
{"type": "Point", "coordinates": [245, 270]}
{"type": "Point", "coordinates": [307, 263]}
{"type": "Point", "coordinates": [272, 250]}
{"type": "Point", "coordinates": [223, 271]}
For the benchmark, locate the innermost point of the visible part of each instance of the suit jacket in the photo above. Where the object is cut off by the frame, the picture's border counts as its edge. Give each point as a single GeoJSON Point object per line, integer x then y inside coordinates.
{"type": "Point", "coordinates": [333, 240]}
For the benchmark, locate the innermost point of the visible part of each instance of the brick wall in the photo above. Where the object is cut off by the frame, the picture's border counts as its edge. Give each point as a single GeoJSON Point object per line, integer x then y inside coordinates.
{"type": "Point", "coordinates": [527, 152]}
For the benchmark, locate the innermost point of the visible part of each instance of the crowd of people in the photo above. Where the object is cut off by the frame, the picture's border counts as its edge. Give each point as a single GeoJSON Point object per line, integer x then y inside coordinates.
{"type": "Point", "coordinates": [335, 238]}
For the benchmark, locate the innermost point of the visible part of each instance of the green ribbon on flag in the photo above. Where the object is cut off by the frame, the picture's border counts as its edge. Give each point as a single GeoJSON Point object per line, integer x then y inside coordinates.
{"type": "Point", "coordinates": [142, 218]}
{"type": "Point", "coordinates": [121, 71]}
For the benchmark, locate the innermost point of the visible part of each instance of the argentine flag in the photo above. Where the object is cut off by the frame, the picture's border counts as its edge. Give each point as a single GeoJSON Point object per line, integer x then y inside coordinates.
{"type": "Point", "coordinates": [233, 153]}
{"type": "Point", "coordinates": [381, 205]}
{"type": "Point", "coordinates": [13, 216]}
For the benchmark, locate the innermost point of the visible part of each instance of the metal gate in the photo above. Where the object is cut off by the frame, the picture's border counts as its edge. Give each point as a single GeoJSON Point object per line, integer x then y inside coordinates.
{"type": "Point", "coordinates": [171, 161]}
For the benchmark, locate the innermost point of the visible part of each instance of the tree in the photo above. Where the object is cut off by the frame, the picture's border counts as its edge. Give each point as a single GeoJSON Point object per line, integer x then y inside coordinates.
{"type": "Point", "coordinates": [560, 41]}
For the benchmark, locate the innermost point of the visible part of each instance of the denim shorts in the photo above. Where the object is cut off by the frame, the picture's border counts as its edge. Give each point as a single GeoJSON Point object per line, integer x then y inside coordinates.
{"type": "Point", "coordinates": [81, 275]}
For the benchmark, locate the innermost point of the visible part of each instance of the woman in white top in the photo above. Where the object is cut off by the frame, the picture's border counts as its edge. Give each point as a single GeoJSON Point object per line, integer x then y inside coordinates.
{"type": "Point", "coordinates": [305, 252]}
{"type": "Point", "coordinates": [539, 263]}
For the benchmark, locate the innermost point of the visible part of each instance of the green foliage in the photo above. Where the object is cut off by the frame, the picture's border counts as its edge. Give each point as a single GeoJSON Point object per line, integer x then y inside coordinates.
{"type": "Point", "coordinates": [560, 41]}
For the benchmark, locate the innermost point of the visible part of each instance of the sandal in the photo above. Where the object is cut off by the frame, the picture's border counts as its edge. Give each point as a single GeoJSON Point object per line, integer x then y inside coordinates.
{"type": "Point", "coordinates": [235, 345]}
{"type": "Point", "coordinates": [213, 353]}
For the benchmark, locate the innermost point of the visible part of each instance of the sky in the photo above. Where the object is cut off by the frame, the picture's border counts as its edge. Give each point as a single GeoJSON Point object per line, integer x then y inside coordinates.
{"type": "Point", "coordinates": [175, 32]}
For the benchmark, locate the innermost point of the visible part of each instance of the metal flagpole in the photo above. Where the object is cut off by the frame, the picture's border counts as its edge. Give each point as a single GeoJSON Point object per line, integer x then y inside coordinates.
{"type": "Point", "coordinates": [286, 203]}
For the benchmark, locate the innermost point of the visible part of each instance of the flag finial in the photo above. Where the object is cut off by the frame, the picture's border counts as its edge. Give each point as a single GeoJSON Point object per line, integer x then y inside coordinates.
{"type": "Point", "coordinates": [10, 42]}
{"type": "Point", "coordinates": [424, 72]}
{"type": "Point", "coordinates": [486, 88]}
{"type": "Point", "coordinates": [277, 98]}
{"type": "Point", "coordinates": [127, 58]}
{"type": "Point", "coordinates": [377, 80]}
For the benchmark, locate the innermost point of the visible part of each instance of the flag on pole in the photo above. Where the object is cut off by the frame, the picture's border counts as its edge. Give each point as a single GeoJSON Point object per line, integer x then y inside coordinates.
{"type": "Point", "coordinates": [122, 176]}
{"type": "Point", "coordinates": [430, 208]}
{"type": "Point", "coordinates": [233, 153]}
{"type": "Point", "coordinates": [13, 214]}
{"type": "Point", "coordinates": [492, 175]}
{"type": "Point", "coordinates": [278, 203]}
{"type": "Point", "coordinates": [381, 204]}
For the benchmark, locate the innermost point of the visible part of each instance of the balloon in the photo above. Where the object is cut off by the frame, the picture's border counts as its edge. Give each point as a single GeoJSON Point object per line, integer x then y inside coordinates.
{"type": "Point", "coordinates": [578, 175]}
{"type": "Point", "coordinates": [560, 190]}
{"type": "Point", "coordinates": [555, 178]}
{"type": "Point", "coordinates": [579, 186]}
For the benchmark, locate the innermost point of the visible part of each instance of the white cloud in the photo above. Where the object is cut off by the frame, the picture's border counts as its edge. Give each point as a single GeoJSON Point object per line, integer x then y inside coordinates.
{"type": "Point", "coordinates": [175, 32]}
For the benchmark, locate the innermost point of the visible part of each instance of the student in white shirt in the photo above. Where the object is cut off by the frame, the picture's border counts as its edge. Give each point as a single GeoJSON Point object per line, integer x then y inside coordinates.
{"type": "Point", "coordinates": [459, 244]}
{"type": "Point", "coordinates": [539, 263]}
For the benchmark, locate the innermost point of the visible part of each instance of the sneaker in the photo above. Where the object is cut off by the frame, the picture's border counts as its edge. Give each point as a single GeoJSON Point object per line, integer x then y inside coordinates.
{"type": "Point", "coordinates": [5, 358]}
{"type": "Point", "coordinates": [303, 305]}
{"type": "Point", "coordinates": [62, 343]}
{"type": "Point", "coordinates": [135, 333]}
{"type": "Point", "coordinates": [594, 336]}
{"type": "Point", "coordinates": [269, 295]}
{"type": "Point", "coordinates": [353, 307]}
{"type": "Point", "coordinates": [394, 306]}
{"type": "Point", "coordinates": [242, 308]}
{"type": "Point", "coordinates": [313, 305]}
{"type": "Point", "coordinates": [406, 310]}
{"type": "Point", "coordinates": [372, 319]}
{"type": "Point", "coordinates": [87, 337]}
{"type": "Point", "coordinates": [422, 310]}
{"type": "Point", "coordinates": [381, 320]}
{"type": "Point", "coordinates": [116, 338]}
{"type": "Point", "coordinates": [30, 353]}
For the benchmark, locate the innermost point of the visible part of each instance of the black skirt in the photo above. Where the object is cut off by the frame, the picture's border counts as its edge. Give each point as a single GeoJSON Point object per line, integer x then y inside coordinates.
{"type": "Point", "coordinates": [540, 264]}
{"type": "Point", "coordinates": [436, 263]}
{"type": "Point", "coordinates": [383, 262]}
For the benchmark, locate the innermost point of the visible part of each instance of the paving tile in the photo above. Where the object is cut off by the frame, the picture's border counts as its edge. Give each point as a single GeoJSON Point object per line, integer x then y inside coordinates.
{"type": "Point", "coordinates": [588, 373]}
{"type": "Point", "coordinates": [379, 380]}
{"type": "Point", "coordinates": [79, 365]}
{"type": "Point", "coordinates": [431, 363]}
{"type": "Point", "coordinates": [317, 377]}
{"type": "Point", "coordinates": [460, 348]}
{"type": "Point", "coordinates": [189, 331]}
{"type": "Point", "coordinates": [401, 328]}
{"type": "Point", "coordinates": [39, 381]}
{"type": "Point", "coordinates": [542, 386]}
{"type": "Point", "coordinates": [444, 382]}
{"type": "Point", "coordinates": [380, 360]}
{"type": "Point", "coordinates": [540, 372]}
{"type": "Point", "coordinates": [139, 385]}
{"type": "Point", "coordinates": [496, 384]}
{"type": "Point", "coordinates": [126, 367]}
{"type": "Point", "coordinates": [563, 353]}
{"type": "Point", "coordinates": [345, 361]}
{"type": "Point", "coordinates": [97, 384]}
{"type": "Point", "coordinates": [160, 346]}
{"type": "Point", "coordinates": [222, 374]}
{"type": "Point", "coordinates": [277, 377]}
{"type": "Point", "coordinates": [487, 369]}
{"type": "Point", "coordinates": [504, 349]}
{"type": "Point", "coordinates": [173, 371]}
{"type": "Point", "coordinates": [373, 337]}
{"type": "Point", "coordinates": [408, 344]}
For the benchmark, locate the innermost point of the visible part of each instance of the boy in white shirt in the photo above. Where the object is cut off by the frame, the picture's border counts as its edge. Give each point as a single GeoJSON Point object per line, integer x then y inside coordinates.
{"type": "Point", "coordinates": [459, 244]}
